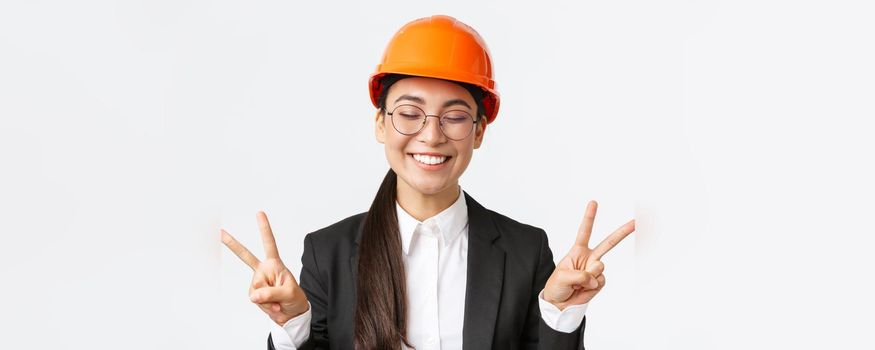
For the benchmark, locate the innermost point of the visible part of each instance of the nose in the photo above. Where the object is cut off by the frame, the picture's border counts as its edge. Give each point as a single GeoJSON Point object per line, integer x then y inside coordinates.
{"type": "Point", "coordinates": [431, 133]}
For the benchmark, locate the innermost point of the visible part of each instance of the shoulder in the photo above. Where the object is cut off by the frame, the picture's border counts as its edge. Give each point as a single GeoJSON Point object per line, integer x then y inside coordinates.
{"type": "Point", "coordinates": [504, 221]}
{"type": "Point", "coordinates": [518, 233]}
{"type": "Point", "coordinates": [511, 231]}
{"type": "Point", "coordinates": [527, 245]}
{"type": "Point", "coordinates": [342, 232]}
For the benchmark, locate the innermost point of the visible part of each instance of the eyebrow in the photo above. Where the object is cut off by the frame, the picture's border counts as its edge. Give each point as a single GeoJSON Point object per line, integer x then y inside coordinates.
{"type": "Point", "coordinates": [420, 100]}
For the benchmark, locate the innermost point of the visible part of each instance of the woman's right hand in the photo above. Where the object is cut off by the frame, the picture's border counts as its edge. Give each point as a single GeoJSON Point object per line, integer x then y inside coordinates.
{"type": "Point", "coordinates": [274, 288]}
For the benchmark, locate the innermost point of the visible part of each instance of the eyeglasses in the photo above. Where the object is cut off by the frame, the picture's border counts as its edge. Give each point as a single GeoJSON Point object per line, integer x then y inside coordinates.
{"type": "Point", "coordinates": [410, 120]}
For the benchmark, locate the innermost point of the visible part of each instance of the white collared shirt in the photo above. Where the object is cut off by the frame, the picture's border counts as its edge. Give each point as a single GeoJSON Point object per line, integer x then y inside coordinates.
{"type": "Point", "coordinates": [436, 263]}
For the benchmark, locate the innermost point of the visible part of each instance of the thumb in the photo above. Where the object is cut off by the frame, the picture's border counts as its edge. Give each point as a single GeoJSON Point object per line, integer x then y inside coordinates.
{"type": "Point", "coordinates": [270, 295]}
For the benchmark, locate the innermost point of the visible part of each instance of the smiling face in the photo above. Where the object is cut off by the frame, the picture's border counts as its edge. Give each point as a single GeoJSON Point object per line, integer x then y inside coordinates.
{"type": "Point", "coordinates": [428, 162]}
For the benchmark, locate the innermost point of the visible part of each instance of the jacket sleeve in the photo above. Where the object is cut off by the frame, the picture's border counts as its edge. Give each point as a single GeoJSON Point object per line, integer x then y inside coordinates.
{"type": "Point", "coordinates": [537, 334]}
{"type": "Point", "coordinates": [317, 295]}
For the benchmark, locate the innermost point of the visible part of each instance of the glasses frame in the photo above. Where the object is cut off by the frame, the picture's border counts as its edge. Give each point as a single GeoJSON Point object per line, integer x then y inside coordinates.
{"type": "Point", "coordinates": [425, 121]}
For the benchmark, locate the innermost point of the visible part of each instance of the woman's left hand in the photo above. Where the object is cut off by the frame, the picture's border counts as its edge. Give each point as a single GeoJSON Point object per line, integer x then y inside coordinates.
{"type": "Point", "coordinates": [578, 277]}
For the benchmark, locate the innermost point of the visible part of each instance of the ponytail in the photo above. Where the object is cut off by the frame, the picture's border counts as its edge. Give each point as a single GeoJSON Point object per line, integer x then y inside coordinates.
{"type": "Point", "coordinates": [381, 289]}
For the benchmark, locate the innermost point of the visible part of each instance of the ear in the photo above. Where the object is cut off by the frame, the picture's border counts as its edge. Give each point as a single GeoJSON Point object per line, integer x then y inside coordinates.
{"type": "Point", "coordinates": [479, 131]}
{"type": "Point", "coordinates": [380, 128]}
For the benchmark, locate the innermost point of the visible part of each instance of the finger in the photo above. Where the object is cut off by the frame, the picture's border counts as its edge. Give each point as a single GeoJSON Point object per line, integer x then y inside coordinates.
{"type": "Point", "coordinates": [612, 240]}
{"type": "Point", "coordinates": [286, 278]}
{"type": "Point", "coordinates": [271, 295]}
{"type": "Point", "coordinates": [595, 268]}
{"type": "Point", "coordinates": [574, 278]}
{"type": "Point", "coordinates": [239, 250]}
{"type": "Point", "coordinates": [267, 236]}
{"type": "Point", "coordinates": [585, 228]}
{"type": "Point", "coordinates": [601, 281]}
{"type": "Point", "coordinates": [269, 308]}
{"type": "Point", "coordinates": [260, 279]}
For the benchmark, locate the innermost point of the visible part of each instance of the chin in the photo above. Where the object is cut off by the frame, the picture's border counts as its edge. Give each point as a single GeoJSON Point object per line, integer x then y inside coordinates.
{"type": "Point", "coordinates": [429, 187]}
{"type": "Point", "coordinates": [425, 184]}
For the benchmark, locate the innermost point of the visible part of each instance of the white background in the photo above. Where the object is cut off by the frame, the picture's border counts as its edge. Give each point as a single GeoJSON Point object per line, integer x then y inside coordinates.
{"type": "Point", "coordinates": [738, 133]}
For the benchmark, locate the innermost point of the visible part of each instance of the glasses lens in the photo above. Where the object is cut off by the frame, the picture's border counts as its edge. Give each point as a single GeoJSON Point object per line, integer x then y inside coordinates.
{"type": "Point", "coordinates": [457, 125]}
{"type": "Point", "coordinates": [407, 119]}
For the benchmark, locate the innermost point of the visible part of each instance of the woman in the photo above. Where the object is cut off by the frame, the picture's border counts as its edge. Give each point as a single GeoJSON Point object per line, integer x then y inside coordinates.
{"type": "Point", "coordinates": [427, 266]}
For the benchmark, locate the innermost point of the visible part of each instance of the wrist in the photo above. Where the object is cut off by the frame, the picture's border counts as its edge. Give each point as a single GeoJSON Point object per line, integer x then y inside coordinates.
{"type": "Point", "coordinates": [282, 321]}
{"type": "Point", "coordinates": [548, 297]}
{"type": "Point", "coordinates": [545, 296]}
{"type": "Point", "coordinates": [288, 316]}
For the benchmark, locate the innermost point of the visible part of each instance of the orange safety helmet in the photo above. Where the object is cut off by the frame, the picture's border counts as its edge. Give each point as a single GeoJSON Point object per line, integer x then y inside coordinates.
{"type": "Point", "coordinates": [439, 47]}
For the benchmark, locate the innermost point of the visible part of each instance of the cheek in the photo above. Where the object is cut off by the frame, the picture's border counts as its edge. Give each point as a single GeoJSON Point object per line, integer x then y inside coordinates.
{"type": "Point", "coordinates": [395, 145]}
{"type": "Point", "coordinates": [463, 158]}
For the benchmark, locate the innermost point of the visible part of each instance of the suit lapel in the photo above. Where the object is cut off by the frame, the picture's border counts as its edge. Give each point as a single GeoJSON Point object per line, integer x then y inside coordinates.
{"type": "Point", "coordinates": [485, 276]}
{"type": "Point", "coordinates": [350, 296]}
{"type": "Point", "coordinates": [353, 266]}
{"type": "Point", "coordinates": [353, 259]}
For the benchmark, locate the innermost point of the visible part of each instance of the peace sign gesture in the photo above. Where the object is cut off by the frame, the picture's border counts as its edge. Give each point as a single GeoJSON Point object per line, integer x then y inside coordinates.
{"type": "Point", "coordinates": [274, 288]}
{"type": "Point", "coordinates": [578, 277]}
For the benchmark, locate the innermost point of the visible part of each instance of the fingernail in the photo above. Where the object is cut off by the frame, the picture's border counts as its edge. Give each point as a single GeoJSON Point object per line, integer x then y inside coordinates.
{"type": "Point", "coordinates": [254, 298]}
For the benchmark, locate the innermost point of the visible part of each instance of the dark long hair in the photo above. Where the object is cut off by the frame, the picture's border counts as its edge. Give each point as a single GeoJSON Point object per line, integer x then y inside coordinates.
{"type": "Point", "coordinates": [381, 286]}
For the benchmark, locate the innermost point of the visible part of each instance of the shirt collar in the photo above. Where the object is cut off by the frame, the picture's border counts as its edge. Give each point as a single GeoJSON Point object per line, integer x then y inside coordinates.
{"type": "Point", "coordinates": [450, 222]}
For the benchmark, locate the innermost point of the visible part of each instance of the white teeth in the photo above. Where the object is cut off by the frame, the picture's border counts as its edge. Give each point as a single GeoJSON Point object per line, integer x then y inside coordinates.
{"type": "Point", "coordinates": [431, 160]}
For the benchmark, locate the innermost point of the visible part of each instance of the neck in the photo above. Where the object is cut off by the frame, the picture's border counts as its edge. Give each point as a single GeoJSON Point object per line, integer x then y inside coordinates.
{"type": "Point", "coordinates": [422, 206]}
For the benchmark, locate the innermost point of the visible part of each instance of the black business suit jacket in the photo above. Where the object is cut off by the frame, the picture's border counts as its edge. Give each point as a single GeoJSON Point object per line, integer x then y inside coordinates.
{"type": "Point", "coordinates": [508, 265]}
